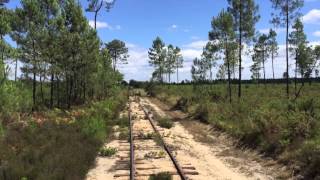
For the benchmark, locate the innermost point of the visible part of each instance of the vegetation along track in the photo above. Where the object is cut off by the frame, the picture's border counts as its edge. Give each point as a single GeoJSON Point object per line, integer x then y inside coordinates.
{"type": "Point", "coordinates": [149, 154]}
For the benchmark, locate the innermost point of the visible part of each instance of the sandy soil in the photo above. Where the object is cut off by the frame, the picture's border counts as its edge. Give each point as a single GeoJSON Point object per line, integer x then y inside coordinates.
{"type": "Point", "coordinates": [108, 167]}
{"type": "Point", "coordinates": [217, 158]}
{"type": "Point", "coordinates": [196, 146]}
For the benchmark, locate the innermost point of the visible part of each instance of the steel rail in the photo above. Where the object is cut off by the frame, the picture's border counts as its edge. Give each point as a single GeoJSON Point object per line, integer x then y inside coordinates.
{"type": "Point", "coordinates": [132, 162]}
{"type": "Point", "coordinates": [173, 159]}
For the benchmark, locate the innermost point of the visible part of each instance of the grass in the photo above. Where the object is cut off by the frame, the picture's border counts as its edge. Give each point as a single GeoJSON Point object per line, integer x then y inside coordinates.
{"type": "Point", "coordinates": [108, 151]}
{"type": "Point", "coordinates": [161, 176]}
{"type": "Point", "coordinates": [165, 123]}
{"type": "Point", "coordinates": [263, 119]}
{"type": "Point", "coordinates": [63, 145]}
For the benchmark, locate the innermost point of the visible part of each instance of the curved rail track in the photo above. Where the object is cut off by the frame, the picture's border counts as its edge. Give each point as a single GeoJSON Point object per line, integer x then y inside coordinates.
{"type": "Point", "coordinates": [144, 149]}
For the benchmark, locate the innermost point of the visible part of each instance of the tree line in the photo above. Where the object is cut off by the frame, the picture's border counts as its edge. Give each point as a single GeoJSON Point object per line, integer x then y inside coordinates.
{"type": "Point", "coordinates": [165, 59]}
{"type": "Point", "coordinates": [63, 59]}
{"type": "Point", "coordinates": [234, 28]}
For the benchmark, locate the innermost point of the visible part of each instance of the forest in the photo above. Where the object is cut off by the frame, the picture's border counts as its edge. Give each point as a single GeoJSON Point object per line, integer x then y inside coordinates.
{"type": "Point", "coordinates": [63, 96]}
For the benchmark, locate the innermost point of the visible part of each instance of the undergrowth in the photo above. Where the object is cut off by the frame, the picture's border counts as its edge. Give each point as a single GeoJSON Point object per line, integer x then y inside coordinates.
{"type": "Point", "coordinates": [263, 119]}
{"type": "Point", "coordinates": [58, 144]}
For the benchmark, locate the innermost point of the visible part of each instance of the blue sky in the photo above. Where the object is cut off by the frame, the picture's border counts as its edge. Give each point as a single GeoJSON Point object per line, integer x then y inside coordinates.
{"type": "Point", "coordinates": [184, 23]}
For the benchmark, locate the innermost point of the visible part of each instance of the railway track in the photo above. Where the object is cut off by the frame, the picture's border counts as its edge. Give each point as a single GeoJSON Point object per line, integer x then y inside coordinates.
{"type": "Point", "coordinates": [148, 154]}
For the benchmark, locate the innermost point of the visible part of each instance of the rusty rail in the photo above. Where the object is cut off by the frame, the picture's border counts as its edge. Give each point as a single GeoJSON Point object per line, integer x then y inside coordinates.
{"type": "Point", "coordinates": [132, 163]}
{"type": "Point", "coordinates": [173, 159]}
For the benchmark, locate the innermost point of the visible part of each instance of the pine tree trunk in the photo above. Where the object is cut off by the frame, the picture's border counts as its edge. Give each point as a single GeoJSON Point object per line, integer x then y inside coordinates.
{"type": "Point", "coordinates": [2, 60]}
{"type": "Point", "coordinates": [272, 58]}
{"type": "Point", "coordinates": [16, 70]}
{"type": "Point", "coordinates": [229, 73]}
{"type": "Point", "coordinates": [177, 75]}
{"type": "Point", "coordinates": [295, 73]}
{"type": "Point", "coordinates": [240, 50]}
{"type": "Point", "coordinates": [41, 88]}
{"type": "Point", "coordinates": [34, 84]}
{"type": "Point", "coordinates": [58, 92]}
{"type": "Point", "coordinates": [51, 90]}
{"type": "Point", "coordinates": [264, 69]}
{"type": "Point", "coordinates": [95, 19]}
{"type": "Point", "coordinates": [287, 46]}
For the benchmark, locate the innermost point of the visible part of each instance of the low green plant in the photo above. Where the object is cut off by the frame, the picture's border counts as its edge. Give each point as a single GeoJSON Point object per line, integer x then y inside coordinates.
{"type": "Point", "coordinates": [146, 135]}
{"type": "Point", "coordinates": [165, 123]}
{"type": "Point", "coordinates": [107, 151]}
{"type": "Point", "coordinates": [124, 134]}
{"type": "Point", "coordinates": [158, 140]}
{"type": "Point", "coordinates": [263, 118]}
{"type": "Point", "coordinates": [161, 176]}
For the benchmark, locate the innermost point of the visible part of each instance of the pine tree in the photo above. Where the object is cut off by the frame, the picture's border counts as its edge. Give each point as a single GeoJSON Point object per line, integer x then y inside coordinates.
{"type": "Point", "coordinates": [298, 42]}
{"type": "Point", "coordinates": [118, 52]}
{"type": "Point", "coordinates": [262, 52]}
{"type": "Point", "coordinates": [273, 47]}
{"type": "Point", "coordinates": [245, 16]}
{"type": "Point", "coordinates": [288, 11]}
{"type": "Point", "coordinates": [198, 70]}
{"type": "Point", "coordinates": [5, 48]}
{"type": "Point", "coordinates": [178, 62]}
{"type": "Point", "coordinates": [210, 55]}
{"type": "Point", "coordinates": [222, 32]}
{"type": "Point", "coordinates": [157, 57]}
{"type": "Point", "coordinates": [96, 5]}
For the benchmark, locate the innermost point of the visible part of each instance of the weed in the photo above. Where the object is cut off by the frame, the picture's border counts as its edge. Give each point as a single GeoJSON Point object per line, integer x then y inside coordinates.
{"type": "Point", "coordinates": [124, 134]}
{"type": "Point", "coordinates": [165, 123]}
{"type": "Point", "coordinates": [146, 135]}
{"type": "Point", "coordinates": [161, 176]}
{"type": "Point", "coordinates": [107, 151]}
{"type": "Point", "coordinates": [158, 140]}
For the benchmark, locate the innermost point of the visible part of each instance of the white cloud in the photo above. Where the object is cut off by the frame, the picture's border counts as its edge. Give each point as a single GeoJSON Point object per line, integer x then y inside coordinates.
{"type": "Point", "coordinates": [186, 30]}
{"type": "Point", "coordinates": [278, 30]}
{"type": "Point", "coordinates": [190, 54]}
{"type": "Point", "coordinates": [174, 26]}
{"type": "Point", "coordinates": [104, 25]}
{"type": "Point", "coordinates": [138, 64]}
{"type": "Point", "coordinates": [118, 27]}
{"type": "Point", "coordinates": [194, 38]}
{"type": "Point", "coordinates": [138, 67]}
{"type": "Point", "coordinates": [196, 44]}
{"type": "Point", "coordinates": [317, 33]}
{"type": "Point", "coordinates": [312, 17]}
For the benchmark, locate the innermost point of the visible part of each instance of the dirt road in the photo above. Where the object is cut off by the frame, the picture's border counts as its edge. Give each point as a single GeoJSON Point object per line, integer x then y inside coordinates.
{"type": "Point", "coordinates": [210, 153]}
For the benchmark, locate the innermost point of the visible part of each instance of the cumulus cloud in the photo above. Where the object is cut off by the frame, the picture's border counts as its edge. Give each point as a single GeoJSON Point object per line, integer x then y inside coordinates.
{"type": "Point", "coordinates": [104, 25]}
{"type": "Point", "coordinates": [278, 30]}
{"type": "Point", "coordinates": [312, 17]}
{"type": "Point", "coordinates": [138, 64]}
{"type": "Point", "coordinates": [138, 67]}
{"type": "Point", "coordinates": [174, 26]}
{"type": "Point", "coordinates": [196, 44]}
{"type": "Point", "coordinates": [316, 33]}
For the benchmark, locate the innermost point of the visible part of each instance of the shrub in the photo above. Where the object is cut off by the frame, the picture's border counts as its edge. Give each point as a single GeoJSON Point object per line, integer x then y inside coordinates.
{"type": "Point", "coordinates": [165, 123]}
{"type": "Point", "coordinates": [94, 127]}
{"type": "Point", "coordinates": [161, 176]}
{"type": "Point", "coordinates": [202, 113]}
{"type": "Point", "coordinates": [107, 151]}
{"type": "Point", "coordinates": [124, 134]}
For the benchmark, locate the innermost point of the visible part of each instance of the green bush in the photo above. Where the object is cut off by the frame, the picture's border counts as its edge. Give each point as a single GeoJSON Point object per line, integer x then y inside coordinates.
{"type": "Point", "coordinates": [55, 149]}
{"type": "Point", "coordinates": [124, 134]}
{"type": "Point", "coordinates": [161, 176]}
{"type": "Point", "coordinates": [107, 151]}
{"type": "Point", "coordinates": [165, 123]}
{"type": "Point", "coordinates": [263, 119]}
{"type": "Point", "coordinates": [93, 127]}
{"type": "Point", "coordinates": [14, 97]}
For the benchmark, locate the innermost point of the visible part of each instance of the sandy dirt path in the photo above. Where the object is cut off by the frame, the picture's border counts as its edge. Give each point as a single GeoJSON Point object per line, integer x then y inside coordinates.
{"type": "Point", "coordinates": [217, 159]}
{"type": "Point", "coordinates": [194, 144]}
{"type": "Point", "coordinates": [108, 167]}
